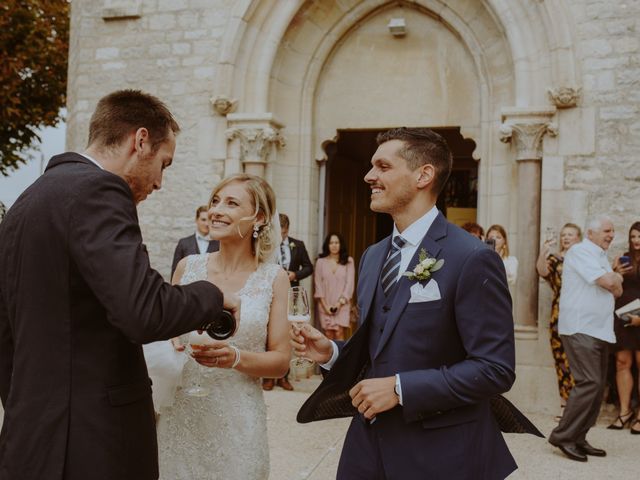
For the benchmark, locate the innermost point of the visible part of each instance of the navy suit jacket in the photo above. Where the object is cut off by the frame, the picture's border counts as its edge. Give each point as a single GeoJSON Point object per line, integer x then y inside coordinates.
{"type": "Point", "coordinates": [453, 355]}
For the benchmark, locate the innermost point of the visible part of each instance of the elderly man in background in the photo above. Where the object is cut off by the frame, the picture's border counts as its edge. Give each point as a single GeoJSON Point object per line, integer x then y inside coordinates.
{"type": "Point", "coordinates": [589, 288]}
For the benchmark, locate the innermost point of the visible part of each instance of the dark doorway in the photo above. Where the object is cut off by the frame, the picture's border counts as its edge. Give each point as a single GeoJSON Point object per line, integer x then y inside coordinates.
{"type": "Point", "coordinates": [347, 210]}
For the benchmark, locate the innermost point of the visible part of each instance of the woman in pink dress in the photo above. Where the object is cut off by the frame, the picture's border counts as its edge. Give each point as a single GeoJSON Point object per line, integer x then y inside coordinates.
{"type": "Point", "coordinates": [334, 281]}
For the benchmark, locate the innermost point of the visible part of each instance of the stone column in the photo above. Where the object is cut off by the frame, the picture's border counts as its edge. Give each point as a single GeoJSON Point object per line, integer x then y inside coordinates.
{"type": "Point", "coordinates": [253, 139]}
{"type": "Point", "coordinates": [525, 129]}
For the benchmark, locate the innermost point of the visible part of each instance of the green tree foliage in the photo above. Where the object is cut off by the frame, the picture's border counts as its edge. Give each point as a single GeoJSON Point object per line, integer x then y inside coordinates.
{"type": "Point", "coordinates": [34, 45]}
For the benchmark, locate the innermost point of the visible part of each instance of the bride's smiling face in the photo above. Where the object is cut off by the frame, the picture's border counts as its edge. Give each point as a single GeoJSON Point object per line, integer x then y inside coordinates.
{"type": "Point", "coordinates": [231, 213]}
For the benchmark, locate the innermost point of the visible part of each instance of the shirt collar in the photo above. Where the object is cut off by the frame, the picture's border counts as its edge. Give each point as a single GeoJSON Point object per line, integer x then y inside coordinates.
{"type": "Point", "coordinates": [593, 247]}
{"type": "Point", "coordinates": [93, 160]}
{"type": "Point", "coordinates": [415, 232]}
{"type": "Point", "coordinates": [285, 241]}
{"type": "Point", "coordinates": [199, 236]}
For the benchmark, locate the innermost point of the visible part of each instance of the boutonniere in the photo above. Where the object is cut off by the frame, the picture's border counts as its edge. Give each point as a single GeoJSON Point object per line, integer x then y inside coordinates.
{"type": "Point", "coordinates": [292, 245]}
{"type": "Point", "coordinates": [424, 268]}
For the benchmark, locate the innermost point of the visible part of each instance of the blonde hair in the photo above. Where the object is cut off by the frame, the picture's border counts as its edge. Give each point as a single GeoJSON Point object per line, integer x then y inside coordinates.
{"type": "Point", "coordinates": [500, 229]}
{"type": "Point", "coordinates": [264, 202]}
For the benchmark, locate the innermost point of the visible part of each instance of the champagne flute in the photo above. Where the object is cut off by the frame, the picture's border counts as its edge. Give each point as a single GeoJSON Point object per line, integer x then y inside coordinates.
{"type": "Point", "coordinates": [298, 315]}
{"type": "Point", "coordinates": [196, 342]}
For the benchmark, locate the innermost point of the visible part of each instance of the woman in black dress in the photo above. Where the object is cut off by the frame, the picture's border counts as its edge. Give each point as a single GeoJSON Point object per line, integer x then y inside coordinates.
{"type": "Point", "coordinates": [628, 338]}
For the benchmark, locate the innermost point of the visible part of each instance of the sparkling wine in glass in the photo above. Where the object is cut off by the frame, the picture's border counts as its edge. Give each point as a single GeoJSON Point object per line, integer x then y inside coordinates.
{"type": "Point", "coordinates": [196, 342]}
{"type": "Point", "coordinates": [298, 315]}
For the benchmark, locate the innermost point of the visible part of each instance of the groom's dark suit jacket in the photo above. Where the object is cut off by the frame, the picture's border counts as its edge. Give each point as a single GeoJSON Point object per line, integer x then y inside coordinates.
{"type": "Point", "coordinates": [452, 354]}
{"type": "Point", "coordinates": [77, 299]}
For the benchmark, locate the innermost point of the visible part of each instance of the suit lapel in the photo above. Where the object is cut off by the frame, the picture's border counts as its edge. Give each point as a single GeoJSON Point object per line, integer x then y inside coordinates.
{"type": "Point", "coordinates": [368, 279]}
{"type": "Point", "coordinates": [437, 231]}
{"type": "Point", "coordinates": [194, 244]}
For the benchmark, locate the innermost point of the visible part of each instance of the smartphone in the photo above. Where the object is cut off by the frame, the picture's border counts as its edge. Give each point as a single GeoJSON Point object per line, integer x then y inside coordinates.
{"type": "Point", "coordinates": [491, 242]}
{"type": "Point", "coordinates": [625, 260]}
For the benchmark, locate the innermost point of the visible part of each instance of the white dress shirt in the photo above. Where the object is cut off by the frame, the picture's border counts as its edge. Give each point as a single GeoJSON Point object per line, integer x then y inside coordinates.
{"type": "Point", "coordinates": [285, 251]}
{"type": "Point", "coordinates": [203, 242]}
{"type": "Point", "coordinates": [586, 307]}
{"type": "Point", "coordinates": [413, 235]}
{"type": "Point", "coordinates": [92, 160]}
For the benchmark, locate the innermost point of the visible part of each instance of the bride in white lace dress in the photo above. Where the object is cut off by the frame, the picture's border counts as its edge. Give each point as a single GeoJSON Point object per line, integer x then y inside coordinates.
{"type": "Point", "coordinates": [224, 435]}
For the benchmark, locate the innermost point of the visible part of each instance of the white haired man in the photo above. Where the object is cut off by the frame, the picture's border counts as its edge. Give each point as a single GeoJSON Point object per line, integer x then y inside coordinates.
{"type": "Point", "coordinates": [585, 324]}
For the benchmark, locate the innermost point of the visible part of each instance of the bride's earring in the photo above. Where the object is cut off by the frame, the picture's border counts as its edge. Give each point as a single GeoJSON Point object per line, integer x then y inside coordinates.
{"type": "Point", "coordinates": [255, 231]}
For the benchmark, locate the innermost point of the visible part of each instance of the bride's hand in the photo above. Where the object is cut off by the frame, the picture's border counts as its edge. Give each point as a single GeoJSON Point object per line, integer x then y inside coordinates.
{"type": "Point", "coordinates": [216, 354]}
{"type": "Point", "coordinates": [310, 343]}
{"type": "Point", "coordinates": [177, 345]}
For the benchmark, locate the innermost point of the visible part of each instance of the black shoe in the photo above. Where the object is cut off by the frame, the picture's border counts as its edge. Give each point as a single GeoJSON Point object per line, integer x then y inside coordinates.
{"type": "Point", "coordinates": [591, 450]}
{"type": "Point", "coordinates": [571, 451]}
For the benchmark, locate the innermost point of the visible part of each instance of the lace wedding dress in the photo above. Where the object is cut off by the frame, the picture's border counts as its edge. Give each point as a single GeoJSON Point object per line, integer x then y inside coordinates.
{"type": "Point", "coordinates": [223, 435]}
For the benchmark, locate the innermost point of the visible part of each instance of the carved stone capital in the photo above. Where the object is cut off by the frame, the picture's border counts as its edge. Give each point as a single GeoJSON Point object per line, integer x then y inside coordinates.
{"type": "Point", "coordinates": [565, 97]}
{"type": "Point", "coordinates": [223, 105]}
{"type": "Point", "coordinates": [525, 128]}
{"type": "Point", "coordinates": [256, 143]}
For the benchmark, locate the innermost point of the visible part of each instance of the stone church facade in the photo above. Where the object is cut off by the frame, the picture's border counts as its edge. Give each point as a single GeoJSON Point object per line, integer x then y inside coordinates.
{"type": "Point", "coordinates": [542, 96]}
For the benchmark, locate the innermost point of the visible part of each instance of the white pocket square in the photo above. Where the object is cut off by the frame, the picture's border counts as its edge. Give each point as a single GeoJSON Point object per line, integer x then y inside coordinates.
{"type": "Point", "coordinates": [425, 293]}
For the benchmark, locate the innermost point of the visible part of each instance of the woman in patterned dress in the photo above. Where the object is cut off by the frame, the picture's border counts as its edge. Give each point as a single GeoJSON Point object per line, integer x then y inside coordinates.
{"type": "Point", "coordinates": [549, 266]}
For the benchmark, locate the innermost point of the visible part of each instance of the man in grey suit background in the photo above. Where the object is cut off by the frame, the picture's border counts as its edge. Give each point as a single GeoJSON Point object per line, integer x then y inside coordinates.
{"type": "Point", "coordinates": [78, 297]}
{"type": "Point", "coordinates": [199, 242]}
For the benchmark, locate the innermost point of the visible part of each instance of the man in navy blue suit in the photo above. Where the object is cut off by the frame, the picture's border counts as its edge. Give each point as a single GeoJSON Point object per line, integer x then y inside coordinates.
{"type": "Point", "coordinates": [437, 339]}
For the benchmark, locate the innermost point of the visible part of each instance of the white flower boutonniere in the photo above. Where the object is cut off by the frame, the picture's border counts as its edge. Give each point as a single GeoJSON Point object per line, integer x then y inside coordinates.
{"type": "Point", "coordinates": [292, 245]}
{"type": "Point", "coordinates": [425, 267]}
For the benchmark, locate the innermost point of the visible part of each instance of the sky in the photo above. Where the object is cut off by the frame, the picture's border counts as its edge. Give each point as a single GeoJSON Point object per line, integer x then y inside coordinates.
{"type": "Point", "coordinates": [52, 143]}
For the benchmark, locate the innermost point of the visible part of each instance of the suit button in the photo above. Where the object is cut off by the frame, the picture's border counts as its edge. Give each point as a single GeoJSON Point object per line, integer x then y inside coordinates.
{"type": "Point", "coordinates": [381, 330]}
{"type": "Point", "coordinates": [439, 412]}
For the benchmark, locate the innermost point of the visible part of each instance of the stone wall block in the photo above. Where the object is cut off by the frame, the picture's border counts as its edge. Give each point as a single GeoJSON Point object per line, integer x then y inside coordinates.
{"type": "Point", "coordinates": [159, 50]}
{"type": "Point", "coordinates": [581, 122]}
{"type": "Point", "coordinates": [165, 21]}
{"type": "Point", "coordinates": [552, 172]}
{"type": "Point", "coordinates": [172, 5]}
{"type": "Point", "coordinates": [597, 47]}
{"type": "Point", "coordinates": [195, 34]}
{"type": "Point", "coordinates": [181, 48]}
{"type": "Point", "coordinates": [107, 53]}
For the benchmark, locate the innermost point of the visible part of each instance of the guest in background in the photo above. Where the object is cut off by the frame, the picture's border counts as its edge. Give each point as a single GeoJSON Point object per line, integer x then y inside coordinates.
{"type": "Point", "coordinates": [293, 254]}
{"type": "Point", "coordinates": [294, 258]}
{"type": "Point", "coordinates": [498, 234]}
{"type": "Point", "coordinates": [628, 338]}
{"type": "Point", "coordinates": [199, 242]}
{"type": "Point", "coordinates": [585, 323]}
{"type": "Point", "coordinates": [549, 266]}
{"type": "Point", "coordinates": [334, 280]}
{"type": "Point", "coordinates": [474, 229]}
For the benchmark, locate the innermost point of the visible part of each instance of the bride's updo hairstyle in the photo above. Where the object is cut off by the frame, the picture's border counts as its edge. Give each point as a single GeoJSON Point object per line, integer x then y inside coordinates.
{"type": "Point", "coordinates": [264, 202]}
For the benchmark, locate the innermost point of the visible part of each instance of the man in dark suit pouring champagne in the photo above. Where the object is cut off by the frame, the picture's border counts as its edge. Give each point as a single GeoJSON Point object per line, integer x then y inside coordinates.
{"type": "Point", "coordinates": [78, 298]}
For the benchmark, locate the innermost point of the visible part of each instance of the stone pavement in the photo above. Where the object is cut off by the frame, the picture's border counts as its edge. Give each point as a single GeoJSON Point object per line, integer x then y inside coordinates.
{"type": "Point", "coordinates": [311, 451]}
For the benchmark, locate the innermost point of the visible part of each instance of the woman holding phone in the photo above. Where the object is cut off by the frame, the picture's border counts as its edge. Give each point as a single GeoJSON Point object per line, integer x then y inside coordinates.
{"type": "Point", "coordinates": [549, 267]}
{"type": "Point", "coordinates": [628, 337]}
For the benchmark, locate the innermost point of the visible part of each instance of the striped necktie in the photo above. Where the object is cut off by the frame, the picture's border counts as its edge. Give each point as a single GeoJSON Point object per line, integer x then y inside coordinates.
{"type": "Point", "coordinates": [391, 266]}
